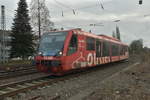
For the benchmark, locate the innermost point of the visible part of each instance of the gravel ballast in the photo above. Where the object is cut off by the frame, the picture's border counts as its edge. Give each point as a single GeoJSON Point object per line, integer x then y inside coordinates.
{"type": "Point", "coordinates": [76, 87]}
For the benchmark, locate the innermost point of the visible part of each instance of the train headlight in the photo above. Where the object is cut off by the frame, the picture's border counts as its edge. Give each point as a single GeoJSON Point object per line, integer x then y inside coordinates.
{"type": "Point", "coordinates": [60, 53]}
{"type": "Point", "coordinates": [40, 53]}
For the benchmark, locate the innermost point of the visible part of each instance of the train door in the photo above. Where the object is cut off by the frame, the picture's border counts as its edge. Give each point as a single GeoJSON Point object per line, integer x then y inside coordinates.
{"type": "Point", "coordinates": [71, 53]}
{"type": "Point", "coordinates": [73, 45]}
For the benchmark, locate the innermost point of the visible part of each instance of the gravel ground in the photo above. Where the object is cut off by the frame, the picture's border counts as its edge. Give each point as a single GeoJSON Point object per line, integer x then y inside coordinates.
{"type": "Point", "coordinates": [131, 84]}
{"type": "Point", "coordinates": [75, 88]}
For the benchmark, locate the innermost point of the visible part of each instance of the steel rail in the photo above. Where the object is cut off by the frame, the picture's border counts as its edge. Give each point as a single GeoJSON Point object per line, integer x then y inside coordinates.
{"type": "Point", "coordinates": [15, 73]}
{"type": "Point", "coordinates": [13, 88]}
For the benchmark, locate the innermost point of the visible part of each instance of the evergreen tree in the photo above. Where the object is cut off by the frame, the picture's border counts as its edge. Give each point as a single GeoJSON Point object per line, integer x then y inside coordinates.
{"type": "Point", "coordinates": [117, 33]}
{"type": "Point", "coordinates": [46, 23]}
{"type": "Point", "coordinates": [22, 37]}
{"type": "Point", "coordinates": [113, 34]}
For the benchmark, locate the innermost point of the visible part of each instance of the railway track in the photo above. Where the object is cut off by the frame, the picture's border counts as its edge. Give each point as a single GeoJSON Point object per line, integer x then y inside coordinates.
{"type": "Point", "coordinates": [12, 89]}
{"type": "Point", "coordinates": [17, 72]}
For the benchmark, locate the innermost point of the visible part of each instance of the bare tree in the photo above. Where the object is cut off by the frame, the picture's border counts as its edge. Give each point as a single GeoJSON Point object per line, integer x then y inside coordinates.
{"type": "Point", "coordinates": [136, 46]}
{"type": "Point", "coordinates": [39, 7]}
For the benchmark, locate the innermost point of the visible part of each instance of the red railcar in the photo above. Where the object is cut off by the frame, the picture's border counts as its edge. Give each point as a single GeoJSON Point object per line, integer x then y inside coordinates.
{"type": "Point", "coordinates": [65, 51]}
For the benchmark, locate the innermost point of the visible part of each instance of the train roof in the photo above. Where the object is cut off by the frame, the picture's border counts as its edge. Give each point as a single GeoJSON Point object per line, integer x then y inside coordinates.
{"type": "Point", "coordinates": [108, 37]}
{"type": "Point", "coordinates": [101, 36]}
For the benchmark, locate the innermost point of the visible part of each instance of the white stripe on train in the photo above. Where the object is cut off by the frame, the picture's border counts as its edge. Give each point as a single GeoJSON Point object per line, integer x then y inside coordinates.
{"type": "Point", "coordinates": [93, 60]}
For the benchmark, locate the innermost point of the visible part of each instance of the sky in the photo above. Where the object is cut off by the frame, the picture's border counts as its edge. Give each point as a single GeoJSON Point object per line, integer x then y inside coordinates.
{"type": "Point", "coordinates": [134, 19]}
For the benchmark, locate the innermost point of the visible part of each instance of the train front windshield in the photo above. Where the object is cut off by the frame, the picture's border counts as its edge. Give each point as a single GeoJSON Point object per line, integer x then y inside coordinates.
{"type": "Point", "coordinates": [51, 44]}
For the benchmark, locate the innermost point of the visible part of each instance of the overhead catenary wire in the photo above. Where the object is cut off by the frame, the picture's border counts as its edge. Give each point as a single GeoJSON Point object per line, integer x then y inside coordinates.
{"type": "Point", "coordinates": [100, 3]}
{"type": "Point", "coordinates": [75, 10]}
{"type": "Point", "coordinates": [86, 25]}
{"type": "Point", "coordinates": [63, 5]}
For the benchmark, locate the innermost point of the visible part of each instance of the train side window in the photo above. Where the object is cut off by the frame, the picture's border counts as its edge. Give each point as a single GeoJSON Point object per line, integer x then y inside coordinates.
{"type": "Point", "coordinates": [115, 50]}
{"type": "Point", "coordinates": [73, 45]}
{"type": "Point", "coordinates": [105, 48]}
{"type": "Point", "coordinates": [90, 43]}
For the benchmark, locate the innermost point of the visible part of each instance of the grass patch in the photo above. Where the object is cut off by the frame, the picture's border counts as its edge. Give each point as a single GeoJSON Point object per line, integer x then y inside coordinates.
{"type": "Point", "coordinates": [13, 64]}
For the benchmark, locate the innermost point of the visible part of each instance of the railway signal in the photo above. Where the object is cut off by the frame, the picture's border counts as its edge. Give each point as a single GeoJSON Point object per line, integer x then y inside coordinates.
{"type": "Point", "coordinates": [140, 2]}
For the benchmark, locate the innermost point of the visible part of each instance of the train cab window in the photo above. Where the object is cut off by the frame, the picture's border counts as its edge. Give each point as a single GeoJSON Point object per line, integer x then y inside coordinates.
{"type": "Point", "coordinates": [90, 43]}
{"type": "Point", "coordinates": [73, 45]}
